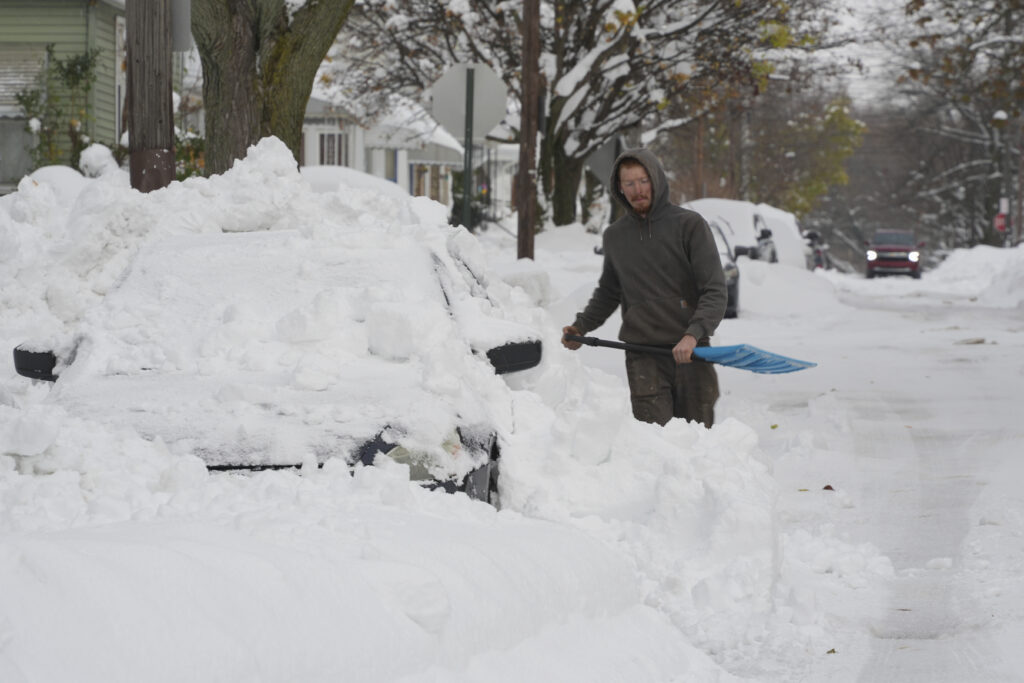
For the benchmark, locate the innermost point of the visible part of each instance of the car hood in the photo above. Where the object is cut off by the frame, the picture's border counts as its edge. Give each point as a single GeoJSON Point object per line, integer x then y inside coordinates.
{"type": "Point", "coordinates": [888, 246]}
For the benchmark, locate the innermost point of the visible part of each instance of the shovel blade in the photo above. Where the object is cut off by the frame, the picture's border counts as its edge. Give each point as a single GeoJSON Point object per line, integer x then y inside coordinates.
{"type": "Point", "coordinates": [747, 357]}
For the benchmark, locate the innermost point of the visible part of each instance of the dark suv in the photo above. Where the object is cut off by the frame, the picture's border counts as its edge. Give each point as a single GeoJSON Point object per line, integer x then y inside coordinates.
{"type": "Point", "coordinates": [893, 251]}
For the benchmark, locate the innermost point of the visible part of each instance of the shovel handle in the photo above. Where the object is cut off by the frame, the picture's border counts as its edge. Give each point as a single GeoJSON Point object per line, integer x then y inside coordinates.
{"type": "Point", "coordinates": [639, 348]}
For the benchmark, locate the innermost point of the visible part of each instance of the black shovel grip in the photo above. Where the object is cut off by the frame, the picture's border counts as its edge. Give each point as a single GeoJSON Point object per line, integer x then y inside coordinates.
{"type": "Point", "coordinates": [639, 348]}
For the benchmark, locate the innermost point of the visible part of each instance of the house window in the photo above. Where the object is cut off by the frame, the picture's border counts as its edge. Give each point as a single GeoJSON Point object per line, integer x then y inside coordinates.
{"type": "Point", "coordinates": [334, 149]}
{"type": "Point", "coordinates": [435, 184]}
{"type": "Point", "coordinates": [391, 165]}
{"type": "Point", "coordinates": [420, 176]}
{"type": "Point", "coordinates": [120, 75]}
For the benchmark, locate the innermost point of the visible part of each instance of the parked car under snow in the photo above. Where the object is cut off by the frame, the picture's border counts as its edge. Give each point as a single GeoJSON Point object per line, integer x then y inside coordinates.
{"type": "Point", "coordinates": [281, 348]}
{"type": "Point", "coordinates": [729, 268]}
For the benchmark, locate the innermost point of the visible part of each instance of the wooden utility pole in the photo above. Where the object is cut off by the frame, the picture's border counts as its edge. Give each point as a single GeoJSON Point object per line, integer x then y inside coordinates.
{"type": "Point", "coordinates": [701, 189]}
{"type": "Point", "coordinates": [150, 108]}
{"type": "Point", "coordinates": [530, 112]}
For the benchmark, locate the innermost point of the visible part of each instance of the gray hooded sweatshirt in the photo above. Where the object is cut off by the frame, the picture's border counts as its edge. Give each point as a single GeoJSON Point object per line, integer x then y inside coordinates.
{"type": "Point", "coordinates": [662, 268]}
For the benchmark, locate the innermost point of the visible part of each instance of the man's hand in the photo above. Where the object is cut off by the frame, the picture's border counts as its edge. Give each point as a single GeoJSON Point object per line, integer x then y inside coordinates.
{"type": "Point", "coordinates": [571, 345]}
{"type": "Point", "coordinates": [683, 351]}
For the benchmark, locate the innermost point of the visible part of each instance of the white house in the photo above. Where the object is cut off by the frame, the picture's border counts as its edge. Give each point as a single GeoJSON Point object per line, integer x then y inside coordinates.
{"type": "Point", "coordinates": [331, 136]}
{"type": "Point", "coordinates": [405, 146]}
{"type": "Point", "coordinates": [423, 152]}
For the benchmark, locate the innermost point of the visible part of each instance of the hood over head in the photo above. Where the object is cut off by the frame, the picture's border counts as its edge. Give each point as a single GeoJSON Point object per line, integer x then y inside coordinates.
{"type": "Point", "coordinates": [656, 172]}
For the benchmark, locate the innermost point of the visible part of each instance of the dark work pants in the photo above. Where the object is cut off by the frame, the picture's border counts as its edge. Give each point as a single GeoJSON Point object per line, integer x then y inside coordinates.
{"type": "Point", "coordinates": [660, 390]}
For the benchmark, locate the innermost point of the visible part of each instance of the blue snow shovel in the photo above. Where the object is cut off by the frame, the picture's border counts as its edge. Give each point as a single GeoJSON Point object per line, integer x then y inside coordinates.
{"type": "Point", "coordinates": [742, 356]}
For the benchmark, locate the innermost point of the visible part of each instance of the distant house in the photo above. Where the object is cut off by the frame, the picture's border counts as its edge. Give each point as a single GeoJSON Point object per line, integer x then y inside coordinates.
{"type": "Point", "coordinates": [73, 27]}
{"type": "Point", "coordinates": [427, 151]}
{"type": "Point", "coordinates": [404, 146]}
{"type": "Point", "coordinates": [331, 136]}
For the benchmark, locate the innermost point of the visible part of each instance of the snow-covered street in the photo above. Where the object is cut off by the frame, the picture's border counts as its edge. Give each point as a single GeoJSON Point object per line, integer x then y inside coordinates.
{"type": "Point", "coordinates": [907, 437]}
{"type": "Point", "coordinates": [927, 389]}
{"type": "Point", "coordinates": [858, 521]}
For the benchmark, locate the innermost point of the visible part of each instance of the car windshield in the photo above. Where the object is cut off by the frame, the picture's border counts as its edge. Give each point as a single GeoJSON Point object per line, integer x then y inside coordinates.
{"type": "Point", "coordinates": [906, 238]}
{"type": "Point", "coordinates": [723, 246]}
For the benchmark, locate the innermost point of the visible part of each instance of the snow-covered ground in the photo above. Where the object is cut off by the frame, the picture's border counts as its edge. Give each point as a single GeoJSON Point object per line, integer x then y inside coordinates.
{"type": "Point", "coordinates": [856, 521]}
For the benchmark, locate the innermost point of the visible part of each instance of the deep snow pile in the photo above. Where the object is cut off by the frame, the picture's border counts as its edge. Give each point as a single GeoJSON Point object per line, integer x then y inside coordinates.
{"type": "Point", "coordinates": [623, 551]}
{"type": "Point", "coordinates": [989, 275]}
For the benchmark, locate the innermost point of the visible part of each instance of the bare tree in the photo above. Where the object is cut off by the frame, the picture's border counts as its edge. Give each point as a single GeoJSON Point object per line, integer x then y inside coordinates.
{"type": "Point", "coordinates": [962, 64]}
{"type": "Point", "coordinates": [977, 40]}
{"type": "Point", "coordinates": [606, 69]}
{"type": "Point", "coordinates": [945, 143]}
{"type": "Point", "coordinates": [786, 147]}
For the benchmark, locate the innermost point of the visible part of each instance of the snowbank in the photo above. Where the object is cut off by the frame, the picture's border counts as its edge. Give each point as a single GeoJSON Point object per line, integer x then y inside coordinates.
{"type": "Point", "coordinates": [608, 525]}
{"type": "Point", "coordinates": [989, 275]}
{"type": "Point", "coordinates": [623, 551]}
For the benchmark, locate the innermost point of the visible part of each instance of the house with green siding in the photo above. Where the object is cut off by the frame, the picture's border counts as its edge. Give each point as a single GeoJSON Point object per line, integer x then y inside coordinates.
{"type": "Point", "coordinates": [74, 28]}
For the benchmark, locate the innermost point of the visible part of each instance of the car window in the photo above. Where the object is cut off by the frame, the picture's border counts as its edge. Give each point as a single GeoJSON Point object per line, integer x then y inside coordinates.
{"type": "Point", "coordinates": [720, 241]}
{"type": "Point", "coordinates": [894, 238]}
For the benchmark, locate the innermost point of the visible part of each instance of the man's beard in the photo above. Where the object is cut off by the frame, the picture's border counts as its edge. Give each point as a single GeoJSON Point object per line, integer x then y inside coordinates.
{"type": "Point", "coordinates": [641, 205]}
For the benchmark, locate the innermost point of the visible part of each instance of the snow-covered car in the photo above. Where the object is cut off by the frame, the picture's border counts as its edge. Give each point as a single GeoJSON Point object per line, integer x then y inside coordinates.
{"type": "Point", "coordinates": [743, 223]}
{"type": "Point", "coordinates": [285, 348]}
{"type": "Point", "coordinates": [729, 267]}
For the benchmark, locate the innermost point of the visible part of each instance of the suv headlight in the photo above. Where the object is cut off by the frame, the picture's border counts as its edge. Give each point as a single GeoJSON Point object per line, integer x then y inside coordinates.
{"type": "Point", "coordinates": [872, 255]}
{"type": "Point", "coordinates": [914, 256]}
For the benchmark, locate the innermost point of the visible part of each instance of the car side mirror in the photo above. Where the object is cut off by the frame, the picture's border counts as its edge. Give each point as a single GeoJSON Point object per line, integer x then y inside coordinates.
{"type": "Point", "coordinates": [749, 252]}
{"type": "Point", "coordinates": [515, 356]}
{"type": "Point", "coordinates": [765, 233]}
{"type": "Point", "coordinates": [35, 364]}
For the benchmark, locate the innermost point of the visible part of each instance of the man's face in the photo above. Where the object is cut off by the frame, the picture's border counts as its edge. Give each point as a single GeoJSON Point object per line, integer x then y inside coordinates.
{"type": "Point", "coordinates": [636, 186]}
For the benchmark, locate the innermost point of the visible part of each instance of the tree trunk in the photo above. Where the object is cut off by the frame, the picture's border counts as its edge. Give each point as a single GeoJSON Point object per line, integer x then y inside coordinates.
{"type": "Point", "coordinates": [560, 174]}
{"type": "Point", "coordinates": [258, 70]}
{"type": "Point", "coordinates": [291, 66]}
{"type": "Point", "coordinates": [226, 38]}
{"type": "Point", "coordinates": [547, 143]}
{"type": "Point", "coordinates": [566, 172]}
{"type": "Point", "coordinates": [526, 194]}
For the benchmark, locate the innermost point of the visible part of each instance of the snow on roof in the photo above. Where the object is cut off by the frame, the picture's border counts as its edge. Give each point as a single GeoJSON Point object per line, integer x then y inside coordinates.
{"type": "Point", "coordinates": [318, 107]}
{"type": "Point", "coordinates": [408, 125]}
